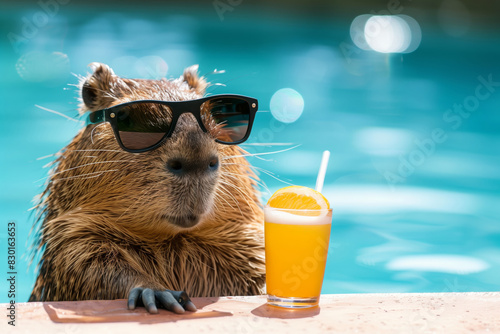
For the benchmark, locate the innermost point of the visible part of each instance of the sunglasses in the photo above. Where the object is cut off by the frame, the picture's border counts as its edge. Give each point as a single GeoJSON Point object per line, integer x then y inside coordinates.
{"type": "Point", "coordinates": [143, 125]}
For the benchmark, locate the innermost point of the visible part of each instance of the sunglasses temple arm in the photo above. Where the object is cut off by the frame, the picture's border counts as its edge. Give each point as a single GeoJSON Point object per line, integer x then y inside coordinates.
{"type": "Point", "coordinates": [96, 117]}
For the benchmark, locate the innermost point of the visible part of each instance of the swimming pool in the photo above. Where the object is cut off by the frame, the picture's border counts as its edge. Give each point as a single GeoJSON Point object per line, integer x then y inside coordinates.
{"type": "Point", "coordinates": [414, 184]}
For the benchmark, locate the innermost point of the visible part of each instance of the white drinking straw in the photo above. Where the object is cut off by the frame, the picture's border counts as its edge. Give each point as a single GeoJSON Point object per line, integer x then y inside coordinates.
{"type": "Point", "coordinates": [322, 171]}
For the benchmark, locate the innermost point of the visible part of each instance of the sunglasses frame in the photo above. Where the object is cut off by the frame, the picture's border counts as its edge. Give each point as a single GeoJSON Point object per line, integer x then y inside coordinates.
{"type": "Point", "coordinates": [178, 108]}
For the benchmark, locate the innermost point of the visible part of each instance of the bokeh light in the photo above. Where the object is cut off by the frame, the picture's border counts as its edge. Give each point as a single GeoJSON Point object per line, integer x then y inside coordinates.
{"type": "Point", "coordinates": [39, 66]}
{"type": "Point", "coordinates": [444, 263]}
{"type": "Point", "coordinates": [386, 33]}
{"type": "Point", "coordinates": [381, 141]}
{"type": "Point", "coordinates": [357, 31]}
{"type": "Point", "coordinates": [287, 105]}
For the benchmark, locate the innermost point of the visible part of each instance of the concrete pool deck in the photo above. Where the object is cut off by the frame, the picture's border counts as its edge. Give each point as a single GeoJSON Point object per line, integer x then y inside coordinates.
{"type": "Point", "coordinates": [476, 312]}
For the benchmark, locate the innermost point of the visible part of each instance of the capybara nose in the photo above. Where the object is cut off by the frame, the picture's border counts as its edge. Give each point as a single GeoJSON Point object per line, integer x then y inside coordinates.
{"type": "Point", "coordinates": [182, 166]}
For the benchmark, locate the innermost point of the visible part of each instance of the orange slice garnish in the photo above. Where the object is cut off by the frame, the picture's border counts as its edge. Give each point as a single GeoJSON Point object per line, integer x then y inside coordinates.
{"type": "Point", "coordinates": [298, 198]}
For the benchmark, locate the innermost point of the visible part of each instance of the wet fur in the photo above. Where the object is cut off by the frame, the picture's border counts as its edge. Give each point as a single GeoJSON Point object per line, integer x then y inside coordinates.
{"type": "Point", "coordinates": [104, 223]}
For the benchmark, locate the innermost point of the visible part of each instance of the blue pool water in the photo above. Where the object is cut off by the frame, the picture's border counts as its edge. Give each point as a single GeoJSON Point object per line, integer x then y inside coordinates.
{"type": "Point", "coordinates": [413, 184]}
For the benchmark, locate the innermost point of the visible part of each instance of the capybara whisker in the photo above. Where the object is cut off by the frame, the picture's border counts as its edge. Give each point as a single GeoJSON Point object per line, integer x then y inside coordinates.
{"type": "Point", "coordinates": [228, 193]}
{"type": "Point", "coordinates": [243, 195]}
{"type": "Point", "coordinates": [263, 153]}
{"type": "Point", "coordinates": [267, 144]}
{"type": "Point", "coordinates": [90, 164]}
{"type": "Point", "coordinates": [256, 180]}
{"type": "Point", "coordinates": [249, 155]}
{"type": "Point", "coordinates": [58, 113]}
{"type": "Point", "coordinates": [49, 156]}
{"type": "Point", "coordinates": [80, 166]}
{"type": "Point", "coordinates": [265, 171]}
{"type": "Point", "coordinates": [87, 176]}
{"type": "Point", "coordinates": [221, 207]}
{"type": "Point", "coordinates": [235, 177]}
{"type": "Point", "coordinates": [49, 164]}
{"type": "Point", "coordinates": [96, 150]}
{"type": "Point", "coordinates": [271, 174]}
{"type": "Point", "coordinates": [92, 133]}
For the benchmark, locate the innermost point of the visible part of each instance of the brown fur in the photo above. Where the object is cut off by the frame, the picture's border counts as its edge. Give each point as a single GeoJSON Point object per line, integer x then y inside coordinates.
{"type": "Point", "coordinates": [108, 216]}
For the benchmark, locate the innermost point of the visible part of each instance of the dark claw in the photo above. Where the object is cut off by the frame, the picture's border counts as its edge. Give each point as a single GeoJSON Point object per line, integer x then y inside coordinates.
{"type": "Point", "coordinates": [148, 300]}
{"type": "Point", "coordinates": [190, 306]}
{"type": "Point", "coordinates": [168, 301]}
{"type": "Point", "coordinates": [174, 301]}
{"type": "Point", "coordinates": [183, 299]}
{"type": "Point", "coordinates": [180, 296]}
{"type": "Point", "coordinates": [132, 298]}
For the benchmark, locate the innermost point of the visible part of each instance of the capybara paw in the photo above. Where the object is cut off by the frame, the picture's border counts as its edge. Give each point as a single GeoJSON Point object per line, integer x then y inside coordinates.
{"type": "Point", "coordinates": [175, 301]}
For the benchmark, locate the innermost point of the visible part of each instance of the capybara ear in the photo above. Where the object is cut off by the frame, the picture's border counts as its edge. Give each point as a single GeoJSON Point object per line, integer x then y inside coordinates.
{"type": "Point", "coordinates": [194, 81]}
{"type": "Point", "coordinates": [96, 89]}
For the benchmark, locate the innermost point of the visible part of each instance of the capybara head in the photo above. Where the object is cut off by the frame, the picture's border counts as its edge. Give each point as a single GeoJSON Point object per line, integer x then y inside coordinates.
{"type": "Point", "coordinates": [181, 184]}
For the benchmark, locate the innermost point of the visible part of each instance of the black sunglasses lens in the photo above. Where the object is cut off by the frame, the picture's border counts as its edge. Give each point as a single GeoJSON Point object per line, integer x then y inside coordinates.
{"type": "Point", "coordinates": [226, 118]}
{"type": "Point", "coordinates": [142, 125]}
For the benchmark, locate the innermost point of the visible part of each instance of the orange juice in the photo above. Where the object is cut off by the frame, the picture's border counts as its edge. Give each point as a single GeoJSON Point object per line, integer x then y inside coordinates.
{"type": "Point", "coordinates": [296, 251]}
